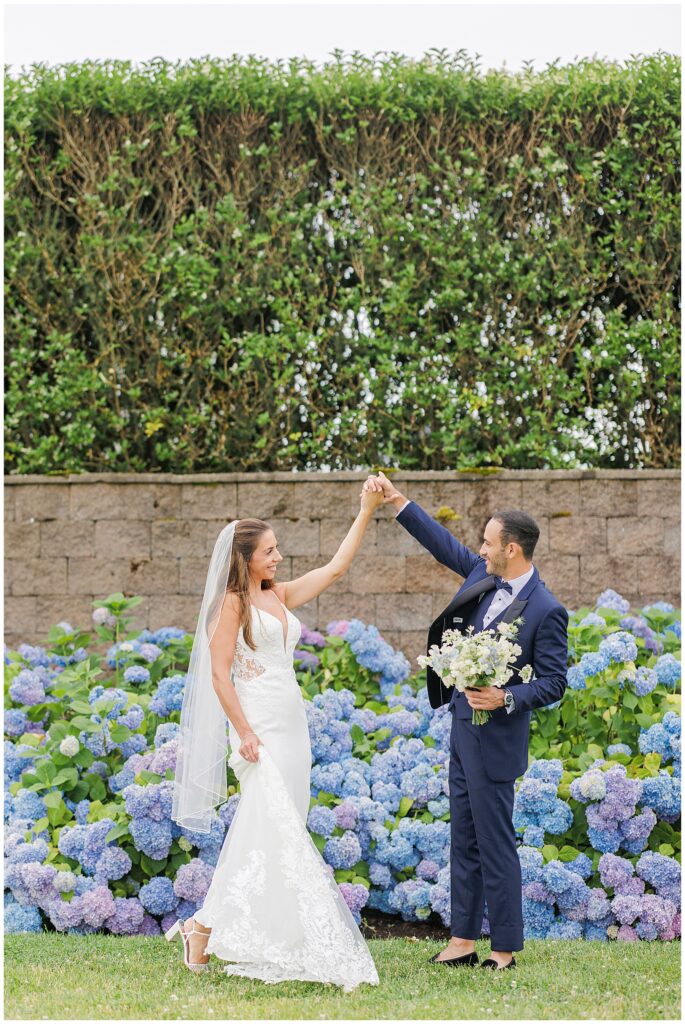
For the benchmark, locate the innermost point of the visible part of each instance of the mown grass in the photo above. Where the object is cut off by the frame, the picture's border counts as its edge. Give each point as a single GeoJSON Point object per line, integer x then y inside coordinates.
{"type": "Point", "coordinates": [54, 976]}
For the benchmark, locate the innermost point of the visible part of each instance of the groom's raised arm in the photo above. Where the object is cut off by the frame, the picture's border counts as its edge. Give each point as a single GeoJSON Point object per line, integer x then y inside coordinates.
{"type": "Point", "coordinates": [435, 538]}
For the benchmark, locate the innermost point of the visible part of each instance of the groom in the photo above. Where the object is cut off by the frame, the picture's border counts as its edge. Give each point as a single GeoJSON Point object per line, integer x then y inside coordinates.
{"type": "Point", "coordinates": [500, 584]}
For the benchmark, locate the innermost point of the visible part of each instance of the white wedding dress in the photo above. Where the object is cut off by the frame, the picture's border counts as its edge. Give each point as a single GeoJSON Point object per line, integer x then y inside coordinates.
{"type": "Point", "coordinates": [275, 910]}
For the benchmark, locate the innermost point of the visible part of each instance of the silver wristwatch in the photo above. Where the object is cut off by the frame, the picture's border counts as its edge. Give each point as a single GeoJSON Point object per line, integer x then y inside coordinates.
{"type": "Point", "coordinates": [509, 702]}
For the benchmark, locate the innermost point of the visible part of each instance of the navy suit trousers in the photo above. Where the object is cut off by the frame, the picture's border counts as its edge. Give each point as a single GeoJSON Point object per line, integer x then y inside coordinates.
{"type": "Point", "coordinates": [484, 864]}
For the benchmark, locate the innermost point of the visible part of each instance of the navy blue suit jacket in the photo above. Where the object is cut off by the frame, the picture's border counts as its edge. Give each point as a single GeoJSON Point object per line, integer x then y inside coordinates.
{"type": "Point", "coordinates": [543, 638]}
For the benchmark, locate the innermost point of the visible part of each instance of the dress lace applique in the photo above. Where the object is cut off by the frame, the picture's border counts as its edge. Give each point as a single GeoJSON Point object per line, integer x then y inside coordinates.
{"type": "Point", "coordinates": [245, 667]}
{"type": "Point", "coordinates": [327, 946]}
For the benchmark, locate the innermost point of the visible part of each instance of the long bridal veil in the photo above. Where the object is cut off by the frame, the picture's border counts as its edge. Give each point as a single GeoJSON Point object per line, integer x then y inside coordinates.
{"type": "Point", "coordinates": [200, 783]}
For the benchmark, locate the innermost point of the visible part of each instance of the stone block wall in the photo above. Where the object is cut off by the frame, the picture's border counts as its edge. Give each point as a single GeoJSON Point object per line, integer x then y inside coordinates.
{"type": "Point", "coordinates": [72, 539]}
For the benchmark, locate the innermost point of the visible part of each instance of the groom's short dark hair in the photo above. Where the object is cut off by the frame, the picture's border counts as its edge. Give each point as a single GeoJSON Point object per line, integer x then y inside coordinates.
{"type": "Point", "coordinates": [519, 527]}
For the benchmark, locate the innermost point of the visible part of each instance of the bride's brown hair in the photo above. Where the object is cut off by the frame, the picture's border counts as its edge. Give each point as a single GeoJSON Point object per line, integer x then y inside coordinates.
{"type": "Point", "coordinates": [245, 540]}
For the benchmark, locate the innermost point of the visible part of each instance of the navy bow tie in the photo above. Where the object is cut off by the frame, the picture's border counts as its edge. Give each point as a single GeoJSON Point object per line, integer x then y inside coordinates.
{"type": "Point", "coordinates": [503, 585]}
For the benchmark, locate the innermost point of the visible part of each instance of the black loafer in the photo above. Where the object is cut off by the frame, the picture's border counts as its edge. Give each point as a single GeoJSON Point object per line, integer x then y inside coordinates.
{"type": "Point", "coordinates": [495, 966]}
{"type": "Point", "coordinates": [468, 960]}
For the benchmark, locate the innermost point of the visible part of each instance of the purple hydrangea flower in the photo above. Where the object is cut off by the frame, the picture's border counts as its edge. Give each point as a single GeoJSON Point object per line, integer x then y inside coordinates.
{"type": "Point", "coordinates": [613, 870]}
{"type": "Point", "coordinates": [158, 896]}
{"type": "Point", "coordinates": [619, 647]}
{"type": "Point", "coordinates": [592, 619]}
{"type": "Point", "coordinates": [149, 652]}
{"type": "Point", "coordinates": [343, 851]}
{"type": "Point", "coordinates": [630, 887]}
{"type": "Point", "coordinates": [662, 873]}
{"type": "Point", "coordinates": [164, 758]}
{"type": "Point", "coordinates": [593, 662]}
{"type": "Point", "coordinates": [321, 820]}
{"type": "Point", "coordinates": [16, 722]}
{"type": "Point", "coordinates": [34, 655]}
{"type": "Point", "coordinates": [618, 748]}
{"type": "Point", "coordinates": [21, 918]}
{"type": "Point", "coordinates": [662, 794]}
{"type": "Point", "coordinates": [539, 892]}
{"type": "Point", "coordinates": [346, 815]}
{"type": "Point", "coordinates": [133, 717]}
{"type": "Point", "coordinates": [667, 670]}
{"type": "Point", "coordinates": [227, 811]}
{"type": "Point", "coordinates": [338, 627]}
{"type": "Point", "coordinates": [137, 674]}
{"type": "Point", "coordinates": [412, 898]}
{"type": "Point", "coordinates": [563, 928]}
{"type": "Point", "coordinates": [127, 917]}
{"type": "Point", "coordinates": [575, 678]}
{"type": "Point", "coordinates": [312, 637]}
{"type": "Point", "coordinates": [611, 599]}
{"type": "Point", "coordinates": [307, 661]}
{"type": "Point", "coordinates": [538, 918]}
{"type": "Point", "coordinates": [27, 688]}
{"type": "Point", "coordinates": [113, 863]}
{"type": "Point", "coordinates": [148, 926]}
{"type": "Point", "coordinates": [169, 696]}
{"type": "Point", "coordinates": [639, 627]}
{"type": "Point", "coordinates": [557, 877]}
{"type": "Point", "coordinates": [428, 870]}
{"type": "Point", "coordinates": [356, 897]}
{"type": "Point", "coordinates": [165, 732]}
{"type": "Point", "coordinates": [193, 880]}
{"type": "Point", "coordinates": [152, 838]}
{"type": "Point", "coordinates": [97, 906]}
{"type": "Point", "coordinates": [534, 836]}
{"type": "Point", "coordinates": [626, 908]}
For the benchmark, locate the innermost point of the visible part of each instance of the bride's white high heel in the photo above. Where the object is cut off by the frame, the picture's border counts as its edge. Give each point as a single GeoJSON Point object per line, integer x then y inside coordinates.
{"type": "Point", "coordinates": [177, 927]}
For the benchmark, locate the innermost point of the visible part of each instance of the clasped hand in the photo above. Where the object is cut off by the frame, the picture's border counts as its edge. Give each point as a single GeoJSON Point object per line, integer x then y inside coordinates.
{"type": "Point", "coordinates": [485, 698]}
{"type": "Point", "coordinates": [380, 487]}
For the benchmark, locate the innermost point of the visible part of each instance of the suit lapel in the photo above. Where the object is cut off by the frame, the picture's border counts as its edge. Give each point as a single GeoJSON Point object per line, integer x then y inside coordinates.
{"type": "Point", "coordinates": [513, 610]}
{"type": "Point", "coordinates": [468, 594]}
{"type": "Point", "coordinates": [488, 583]}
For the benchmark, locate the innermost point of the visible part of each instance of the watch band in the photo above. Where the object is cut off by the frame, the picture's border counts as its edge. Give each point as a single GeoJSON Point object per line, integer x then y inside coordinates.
{"type": "Point", "coordinates": [509, 702]}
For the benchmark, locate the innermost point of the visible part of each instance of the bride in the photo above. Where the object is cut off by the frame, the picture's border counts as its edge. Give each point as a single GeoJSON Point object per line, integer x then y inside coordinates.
{"type": "Point", "coordinates": [273, 909]}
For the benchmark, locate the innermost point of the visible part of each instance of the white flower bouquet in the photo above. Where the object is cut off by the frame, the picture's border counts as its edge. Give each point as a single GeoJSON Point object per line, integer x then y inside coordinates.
{"type": "Point", "coordinates": [477, 659]}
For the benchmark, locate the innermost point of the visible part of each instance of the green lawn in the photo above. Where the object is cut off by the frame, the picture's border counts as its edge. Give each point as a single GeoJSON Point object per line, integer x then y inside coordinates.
{"type": "Point", "coordinates": [74, 977]}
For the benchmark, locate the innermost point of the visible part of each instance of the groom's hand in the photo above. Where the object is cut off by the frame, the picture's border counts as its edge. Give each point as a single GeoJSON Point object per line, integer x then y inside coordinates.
{"type": "Point", "coordinates": [384, 486]}
{"type": "Point", "coordinates": [485, 698]}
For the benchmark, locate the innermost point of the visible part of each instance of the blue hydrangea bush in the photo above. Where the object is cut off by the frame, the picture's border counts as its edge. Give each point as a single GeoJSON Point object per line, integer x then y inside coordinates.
{"type": "Point", "coordinates": [90, 748]}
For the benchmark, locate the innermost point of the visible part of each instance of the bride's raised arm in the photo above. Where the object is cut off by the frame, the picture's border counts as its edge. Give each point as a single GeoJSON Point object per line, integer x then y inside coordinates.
{"type": "Point", "coordinates": [309, 586]}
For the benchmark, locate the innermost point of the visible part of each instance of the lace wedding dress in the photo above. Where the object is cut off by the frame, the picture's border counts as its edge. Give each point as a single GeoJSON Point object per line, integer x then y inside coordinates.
{"type": "Point", "coordinates": [274, 908]}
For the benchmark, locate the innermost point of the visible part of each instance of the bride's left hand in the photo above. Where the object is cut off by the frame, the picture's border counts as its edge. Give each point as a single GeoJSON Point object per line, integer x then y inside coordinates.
{"type": "Point", "coordinates": [371, 500]}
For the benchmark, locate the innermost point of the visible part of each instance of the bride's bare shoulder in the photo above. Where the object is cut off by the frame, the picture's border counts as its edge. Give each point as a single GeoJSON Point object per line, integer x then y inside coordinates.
{"type": "Point", "coordinates": [279, 591]}
{"type": "Point", "coordinates": [231, 605]}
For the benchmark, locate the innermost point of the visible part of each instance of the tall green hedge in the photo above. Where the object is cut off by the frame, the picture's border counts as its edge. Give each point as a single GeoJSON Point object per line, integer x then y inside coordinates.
{"type": "Point", "coordinates": [236, 265]}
